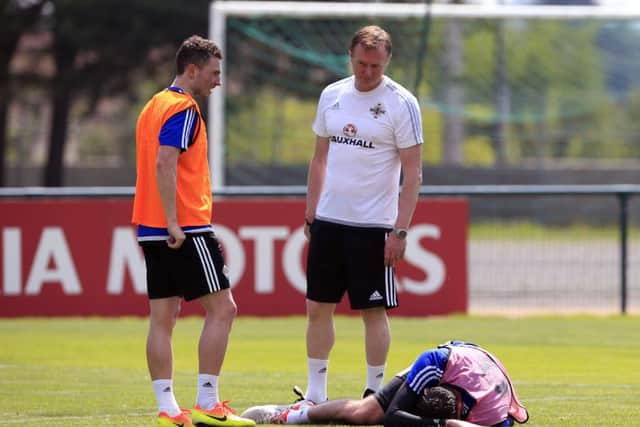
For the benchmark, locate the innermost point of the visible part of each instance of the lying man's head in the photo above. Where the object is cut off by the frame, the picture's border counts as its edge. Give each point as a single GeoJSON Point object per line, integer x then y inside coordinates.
{"type": "Point", "coordinates": [439, 402]}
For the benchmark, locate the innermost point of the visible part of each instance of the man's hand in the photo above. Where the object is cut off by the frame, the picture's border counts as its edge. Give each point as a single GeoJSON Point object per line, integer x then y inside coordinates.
{"type": "Point", "coordinates": [307, 227]}
{"type": "Point", "coordinates": [176, 236]}
{"type": "Point", "coordinates": [393, 250]}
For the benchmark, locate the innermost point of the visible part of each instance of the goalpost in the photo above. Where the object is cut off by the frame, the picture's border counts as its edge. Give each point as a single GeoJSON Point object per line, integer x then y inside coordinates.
{"type": "Point", "coordinates": [310, 37]}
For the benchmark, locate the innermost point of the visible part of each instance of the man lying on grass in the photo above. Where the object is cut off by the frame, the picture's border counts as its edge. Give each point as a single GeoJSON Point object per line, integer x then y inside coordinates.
{"type": "Point", "coordinates": [457, 384]}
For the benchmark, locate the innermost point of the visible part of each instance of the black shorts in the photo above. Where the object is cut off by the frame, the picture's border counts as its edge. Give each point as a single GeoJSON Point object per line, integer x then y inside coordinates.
{"type": "Point", "coordinates": [385, 395]}
{"type": "Point", "coordinates": [194, 270]}
{"type": "Point", "coordinates": [349, 259]}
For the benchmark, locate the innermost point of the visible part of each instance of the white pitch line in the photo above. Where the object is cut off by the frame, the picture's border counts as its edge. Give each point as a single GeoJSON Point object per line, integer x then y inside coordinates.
{"type": "Point", "coordinates": [565, 384]}
{"type": "Point", "coordinates": [563, 398]}
{"type": "Point", "coordinates": [24, 419]}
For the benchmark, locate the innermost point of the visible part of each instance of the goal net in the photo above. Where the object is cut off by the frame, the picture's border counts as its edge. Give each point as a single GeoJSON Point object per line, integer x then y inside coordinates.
{"type": "Point", "coordinates": [498, 85]}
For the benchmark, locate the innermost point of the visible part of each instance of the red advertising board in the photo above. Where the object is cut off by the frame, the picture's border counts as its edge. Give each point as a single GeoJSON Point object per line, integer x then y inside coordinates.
{"type": "Point", "coordinates": [79, 257]}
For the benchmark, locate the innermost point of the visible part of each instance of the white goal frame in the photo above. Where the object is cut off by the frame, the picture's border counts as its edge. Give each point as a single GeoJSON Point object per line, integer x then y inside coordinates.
{"type": "Point", "coordinates": [220, 10]}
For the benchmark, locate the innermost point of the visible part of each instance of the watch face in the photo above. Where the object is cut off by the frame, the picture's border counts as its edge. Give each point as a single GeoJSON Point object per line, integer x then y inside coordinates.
{"type": "Point", "coordinates": [401, 233]}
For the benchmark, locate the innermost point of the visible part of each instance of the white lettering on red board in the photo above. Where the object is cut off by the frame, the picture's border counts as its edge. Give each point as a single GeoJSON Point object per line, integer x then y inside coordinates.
{"type": "Point", "coordinates": [53, 262]}
{"type": "Point", "coordinates": [263, 243]}
{"type": "Point", "coordinates": [428, 261]}
{"type": "Point", "coordinates": [11, 261]}
{"type": "Point", "coordinates": [53, 247]}
{"type": "Point", "coordinates": [125, 256]}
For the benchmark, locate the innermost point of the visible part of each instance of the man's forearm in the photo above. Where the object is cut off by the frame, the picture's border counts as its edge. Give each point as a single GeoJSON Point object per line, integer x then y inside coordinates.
{"type": "Point", "coordinates": [167, 189]}
{"type": "Point", "coordinates": [411, 160]}
{"type": "Point", "coordinates": [406, 419]}
{"type": "Point", "coordinates": [314, 188]}
{"type": "Point", "coordinates": [166, 175]}
{"type": "Point", "coordinates": [407, 203]}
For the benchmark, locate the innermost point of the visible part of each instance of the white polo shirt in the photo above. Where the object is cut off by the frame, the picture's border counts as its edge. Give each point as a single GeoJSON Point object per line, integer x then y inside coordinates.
{"type": "Point", "coordinates": [365, 131]}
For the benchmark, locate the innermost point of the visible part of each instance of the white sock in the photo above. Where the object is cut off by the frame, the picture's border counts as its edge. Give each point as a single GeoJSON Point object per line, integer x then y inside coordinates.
{"type": "Point", "coordinates": [375, 376]}
{"type": "Point", "coordinates": [165, 397]}
{"type": "Point", "coordinates": [207, 391]}
{"type": "Point", "coordinates": [298, 416]}
{"type": "Point", "coordinates": [317, 380]}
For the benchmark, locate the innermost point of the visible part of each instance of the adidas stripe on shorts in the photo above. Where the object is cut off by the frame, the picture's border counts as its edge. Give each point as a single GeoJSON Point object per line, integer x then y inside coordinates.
{"type": "Point", "coordinates": [349, 259]}
{"type": "Point", "coordinates": [194, 270]}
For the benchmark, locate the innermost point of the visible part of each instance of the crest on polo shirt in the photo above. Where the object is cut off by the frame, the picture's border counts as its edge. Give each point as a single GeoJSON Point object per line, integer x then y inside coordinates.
{"type": "Point", "coordinates": [349, 130]}
{"type": "Point", "coordinates": [377, 110]}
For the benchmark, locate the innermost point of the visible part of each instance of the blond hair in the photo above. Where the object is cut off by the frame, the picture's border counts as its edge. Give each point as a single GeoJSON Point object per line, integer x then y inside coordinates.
{"type": "Point", "coordinates": [370, 37]}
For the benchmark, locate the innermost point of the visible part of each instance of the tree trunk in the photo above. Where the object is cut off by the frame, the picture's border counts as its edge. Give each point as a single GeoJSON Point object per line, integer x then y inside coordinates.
{"type": "Point", "coordinates": [53, 174]}
{"type": "Point", "coordinates": [61, 100]}
{"type": "Point", "coordinates": [503, 104]}
{"type": "Point", "coordinates": [454, 94]}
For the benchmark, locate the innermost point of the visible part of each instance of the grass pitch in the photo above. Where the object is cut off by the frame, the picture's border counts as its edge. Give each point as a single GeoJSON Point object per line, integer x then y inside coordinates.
{"type": "Point", "coordinates": [569, 371]}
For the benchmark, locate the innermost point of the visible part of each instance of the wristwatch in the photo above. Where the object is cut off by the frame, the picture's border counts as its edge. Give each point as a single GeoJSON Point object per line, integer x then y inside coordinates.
{"type": "Point", "coordinates": [400, 233]}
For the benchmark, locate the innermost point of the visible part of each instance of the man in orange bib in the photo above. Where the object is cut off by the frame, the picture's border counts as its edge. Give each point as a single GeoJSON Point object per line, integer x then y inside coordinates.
{"type": "Point", "coordinates": [172, 210]}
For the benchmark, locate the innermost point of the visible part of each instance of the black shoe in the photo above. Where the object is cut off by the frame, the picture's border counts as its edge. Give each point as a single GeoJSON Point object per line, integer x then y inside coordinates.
{"type": "Point", "coordinates": [367, 392]}
{"type": "Point", "coordinates": [298, 392]}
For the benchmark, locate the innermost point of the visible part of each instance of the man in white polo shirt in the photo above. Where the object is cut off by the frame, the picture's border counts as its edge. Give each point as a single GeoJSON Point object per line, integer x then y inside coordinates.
{"type": "Point", "coordinates": [368, 129]}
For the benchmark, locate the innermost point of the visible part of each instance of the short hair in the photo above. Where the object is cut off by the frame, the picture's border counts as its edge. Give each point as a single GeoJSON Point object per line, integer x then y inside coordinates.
{"type": "Point", "coordinates": [438, 402]}
{"type": "Point", "coordinates": [196, 50]}
{"type": "Point", "coordinates": [370, 37]}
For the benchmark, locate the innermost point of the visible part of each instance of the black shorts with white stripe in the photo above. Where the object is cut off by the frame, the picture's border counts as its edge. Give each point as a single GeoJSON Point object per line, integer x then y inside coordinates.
{"type": "Point", "coordinates": [385, 395]}
{"type": "Point", "coordinates": [194, 270]}
{"type": "Point", "coordinates": [344, 258]}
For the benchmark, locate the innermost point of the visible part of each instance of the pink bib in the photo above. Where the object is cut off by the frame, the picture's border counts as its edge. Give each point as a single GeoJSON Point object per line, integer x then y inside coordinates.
{"type": "Point", "coordinates": [482, 375]}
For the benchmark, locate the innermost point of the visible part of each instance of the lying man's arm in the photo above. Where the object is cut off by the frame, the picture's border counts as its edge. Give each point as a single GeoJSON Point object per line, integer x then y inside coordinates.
{"type": "Point", "coordinates": [398, 413]}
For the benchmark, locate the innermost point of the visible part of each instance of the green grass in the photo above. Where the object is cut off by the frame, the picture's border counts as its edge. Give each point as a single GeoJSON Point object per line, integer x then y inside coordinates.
{"type": "Point", "coordinates": [507, 230]}
{"type": "Point", "coordinates": [569, 371]}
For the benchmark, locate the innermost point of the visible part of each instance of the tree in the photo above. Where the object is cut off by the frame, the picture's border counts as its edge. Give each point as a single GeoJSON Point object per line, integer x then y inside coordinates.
{"type": "Point", "coordinates": [98, 46]}
{"type": "Point", "coordinates": [16, 17]}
